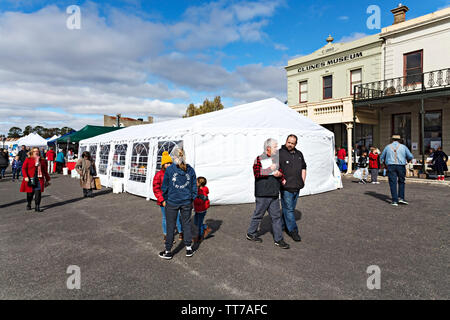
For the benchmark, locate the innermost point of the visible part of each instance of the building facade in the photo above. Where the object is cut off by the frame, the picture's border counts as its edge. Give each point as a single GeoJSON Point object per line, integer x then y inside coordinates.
{"type": "Point", "coordinates": [413, 96]}
{"type": "Point", "coordinates": [321, 87]}
{"type": "Point", "coordinates": [395, 82]}
{"type": "Point", "coordinates": [109, 121]}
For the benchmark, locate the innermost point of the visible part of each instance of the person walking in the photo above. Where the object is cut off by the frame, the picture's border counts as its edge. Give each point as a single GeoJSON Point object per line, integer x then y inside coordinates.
{"type": "Point", "coordinates": [87, 171]}
{"type": "Point", "coordinates": [440, 163]}
{"type": "Point", "coordinates": [16, 168]}
{"type": "Point", "coordinates": [341, 159]}
{"type": "Point", "coordinates": [51, 155]}
{"type": "Point", "coordinates": [396, 156]}
{"type": "Point", "coordinates": [35, 178]}
{"type": "Point", "coordinates": [201, 205]}
{"type": "Point", "coordinates": [60, 161]}
{"type": "Point", "coordinates": [293, 166]}
{"type": "Point", "coordinates": [268, 180]}
{"type": "Point", "coordinates": [179, 191]}
{"type": "Point", "coordinates": [166, 161]}
{"type": "Point", "coordinates": [4, 163]}
{"type": "Point", "coordinates": [23, 154]}
{"type": "Point", "coordinates": [374, 165]}
{"type": "Point", "coordinates": [362, 167]}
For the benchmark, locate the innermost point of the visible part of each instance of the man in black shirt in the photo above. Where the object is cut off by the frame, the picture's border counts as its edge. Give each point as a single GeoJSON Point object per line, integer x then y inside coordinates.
{"type": "Point", "coordinates": [293, 165]}
{"type": "Point", "coordinates": [23, 154]}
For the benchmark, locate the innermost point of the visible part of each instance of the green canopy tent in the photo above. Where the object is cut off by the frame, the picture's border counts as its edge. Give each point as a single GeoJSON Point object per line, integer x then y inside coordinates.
{"type": "Point", "coordinates": [85, 133]}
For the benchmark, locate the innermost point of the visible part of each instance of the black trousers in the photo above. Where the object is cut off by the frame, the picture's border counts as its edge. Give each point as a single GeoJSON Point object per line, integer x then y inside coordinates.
{"type": "Point", "coordinates": [59, 167]}
{"type": "Point", "coordinates": [88, 193]}
{"type": "Point", "coordinates": [171, 219]}
{"type": "Point", "coordinates": [37, 197]}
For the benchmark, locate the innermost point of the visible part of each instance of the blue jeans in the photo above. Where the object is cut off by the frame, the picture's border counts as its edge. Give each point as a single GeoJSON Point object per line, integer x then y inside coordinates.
{"type": "Point", "coordinates": [164, 227]}
{"type": "Point", "coordinates": [16, 173]}
{"type": "Point", "coordinates": [198, 221]}
{"type": "Point", "coordinates": [288, 204]}
{"type": "Point", "coordinates": [341, 164]}
{"type": "Point", "coordinates": [2, 172]}
{"type": "Point", "coordinates": [397, 174]}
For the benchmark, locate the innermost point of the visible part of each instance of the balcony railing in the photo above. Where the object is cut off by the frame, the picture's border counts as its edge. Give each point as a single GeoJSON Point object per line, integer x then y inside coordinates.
{"type": "Point", "coordinates": [417, 83]}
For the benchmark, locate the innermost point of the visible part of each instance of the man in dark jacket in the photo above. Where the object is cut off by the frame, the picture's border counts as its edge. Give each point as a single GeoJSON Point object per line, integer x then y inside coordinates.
{"type": "Point", "coordinates": [293, 165]}
{"type": "Point", "coordinates": [23, 154]}
{"type": "Point", "coordinates": [268, 179]}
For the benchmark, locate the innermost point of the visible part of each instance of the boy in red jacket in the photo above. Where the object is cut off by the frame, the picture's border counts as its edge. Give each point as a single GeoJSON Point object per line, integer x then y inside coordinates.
{"type": "Point", "coordinates": [166, 161]}
{"type": "Point", "coordinates": [201, 205]}
{"type": "Point", "coordinates": [373, 165]}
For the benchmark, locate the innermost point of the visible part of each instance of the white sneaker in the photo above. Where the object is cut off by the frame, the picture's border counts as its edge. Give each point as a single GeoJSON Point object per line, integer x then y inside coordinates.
{"type": "Point", "coordinates": [403, 201]}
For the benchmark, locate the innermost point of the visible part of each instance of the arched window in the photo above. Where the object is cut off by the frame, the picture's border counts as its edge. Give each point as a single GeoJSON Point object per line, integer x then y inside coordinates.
{"type": "Point", "coordinates": [168, 146]}
{"type": "Point", "coordinates": [118, 165]}
{"type": "Point", "coordinates": [104, 157]}
{"type": "Point", "coordinates": [93, 152]}
{"type": "Point", "coordinates": [139, 162]}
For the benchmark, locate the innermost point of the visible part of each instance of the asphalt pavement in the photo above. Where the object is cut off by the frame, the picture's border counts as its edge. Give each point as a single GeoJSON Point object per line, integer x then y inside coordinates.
{"type": "Point", "coordinates": [114, 239]}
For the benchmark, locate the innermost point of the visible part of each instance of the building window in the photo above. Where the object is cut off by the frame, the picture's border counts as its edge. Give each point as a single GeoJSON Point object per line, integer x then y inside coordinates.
{"type": "Point", "coordinates": [433, 130]}
{"type": "Point", "coordinates": [328, 87]}
{"type": "Point", "coordinates": [168, 146]}
{"type": "Point", "coordinates": [139, 162]}
{"type": "Point", "coordinates": [118, 166]}
{"type": "Point", "coordinates": [303, 91]}
{"type": "Point", "coordinates": [413, 67]}
{"type": "Point", "coordinates": [355, 79]}
{"type": "Point", "coordinates": [104, 157]}
{"type": "Point", "coordinates": [401, 125]}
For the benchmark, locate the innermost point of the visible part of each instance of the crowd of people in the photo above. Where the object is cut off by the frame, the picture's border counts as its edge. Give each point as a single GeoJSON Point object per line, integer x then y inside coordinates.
{"type": "Point", "coordinates": [279, 173]}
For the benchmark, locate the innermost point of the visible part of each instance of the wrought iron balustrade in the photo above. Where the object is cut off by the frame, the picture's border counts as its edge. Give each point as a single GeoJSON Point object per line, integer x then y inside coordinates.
{"type": "Point", "coordinates": [420, 82]}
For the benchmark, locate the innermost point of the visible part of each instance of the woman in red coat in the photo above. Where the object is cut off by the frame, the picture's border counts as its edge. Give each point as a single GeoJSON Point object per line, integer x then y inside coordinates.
{"type": "Point", "coordinates": [34, 167]}
{"type": "Point", "coordinates": [373, 165]}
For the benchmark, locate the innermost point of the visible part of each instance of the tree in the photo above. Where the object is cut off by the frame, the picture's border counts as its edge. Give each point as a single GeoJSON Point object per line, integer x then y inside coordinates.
{"type": "Point", "coordinates": [207, 106]}
{"type": "Point", "coordinates": [39, 130]}
{"type": "Point", "coordinates": [65, 130]}
{"type": "Point", "coordinates": [27, 130]}
{"type": "Point", "coordinates": [15, 132]}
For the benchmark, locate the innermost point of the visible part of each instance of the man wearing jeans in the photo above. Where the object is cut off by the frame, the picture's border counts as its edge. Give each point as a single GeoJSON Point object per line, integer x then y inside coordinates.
{"type": "Point", "coordinates": [396, 156]}
{"type": "Point", "coordinates": [293, 166]}
{"type": "Point", "coordinates": [268, 179]}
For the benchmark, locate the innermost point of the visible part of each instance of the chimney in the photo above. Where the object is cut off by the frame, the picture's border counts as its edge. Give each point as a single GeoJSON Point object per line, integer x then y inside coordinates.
{"type": "Point", "coordinates": [400, 13]}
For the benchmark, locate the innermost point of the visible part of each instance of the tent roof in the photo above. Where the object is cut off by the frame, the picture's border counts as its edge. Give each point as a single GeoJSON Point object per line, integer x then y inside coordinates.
{"type": "Point", "coordinates": [263, 114]}
{"type": "Point", "coordinates": [32, 140]}
{"type": "Point", "coordinates": [86, 133]}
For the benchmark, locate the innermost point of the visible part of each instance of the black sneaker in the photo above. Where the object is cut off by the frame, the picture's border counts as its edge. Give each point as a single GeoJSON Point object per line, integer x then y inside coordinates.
{"type": "Point", "coordinates": [295, 236]}
{"type": "Point", "coordinates": [253, 238]}
{"type": "Point", "coordinates": [282, 244]}
{"type": "Point", "coordinates": [165, 255]}
{"type": "Point", "coordinates": [189, 252]}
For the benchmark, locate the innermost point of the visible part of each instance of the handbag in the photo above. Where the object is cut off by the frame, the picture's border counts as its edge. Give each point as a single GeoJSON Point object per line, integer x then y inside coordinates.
{"type": "Point", "coordinates": [92, 171]}
{"type": "Point", "coordinates": [32, 182]}
{"type": "Point", "coordinates": [98, 185]}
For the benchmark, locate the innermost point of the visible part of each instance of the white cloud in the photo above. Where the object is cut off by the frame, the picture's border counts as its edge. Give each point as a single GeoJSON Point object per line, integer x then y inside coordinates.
{"type": "Point", "coordinates": [352, 37]}
{"type": "Point", "coordinates": [343, 18]}
{"type": "Point", "coordinates": [126, 64]}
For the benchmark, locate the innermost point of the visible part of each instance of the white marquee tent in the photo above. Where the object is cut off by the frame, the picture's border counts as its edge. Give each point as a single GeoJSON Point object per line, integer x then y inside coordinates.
{"type": "Point", "coordinates": [32, 140]}
{"type": "Point", "coordinates": [221, 146]}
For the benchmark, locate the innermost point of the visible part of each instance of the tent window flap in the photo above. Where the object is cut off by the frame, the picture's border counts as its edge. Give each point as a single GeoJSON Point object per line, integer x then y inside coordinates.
{"type": "Point", "coordinates": [93, 152]}
{"type": "Point", "coordinates": [168, 146]}
{"type": "Point", "coordinates": [139, 162]}
{"type": "Point", "coordinates": [104, 156]}
{"type": "Point", "coordinates": [118, 167]}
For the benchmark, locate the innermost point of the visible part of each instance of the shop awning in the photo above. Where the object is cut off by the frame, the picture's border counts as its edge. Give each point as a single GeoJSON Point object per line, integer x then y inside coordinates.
{"type": "Point", "coordinates": [86, 133]}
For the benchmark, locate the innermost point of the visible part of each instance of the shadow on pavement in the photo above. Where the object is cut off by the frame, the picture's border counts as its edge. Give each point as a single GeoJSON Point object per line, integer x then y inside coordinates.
{"type": "Point", "coordinates": [62, 203]}
{"type": "Point", "coordinates": [18, 202]}
{"type": "Point", "coordinates": [266, 223]}
{"type": "Point", "coordinates": [379, 196]}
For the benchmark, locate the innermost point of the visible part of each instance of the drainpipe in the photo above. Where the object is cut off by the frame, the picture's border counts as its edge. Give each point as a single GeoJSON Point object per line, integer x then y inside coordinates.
{"type": "Point", "coordinates": [422, 129]}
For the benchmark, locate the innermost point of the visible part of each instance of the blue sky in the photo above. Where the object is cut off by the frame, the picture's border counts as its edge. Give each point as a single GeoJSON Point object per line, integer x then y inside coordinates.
{"type": "Point", "coordinates": [144, 58]}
